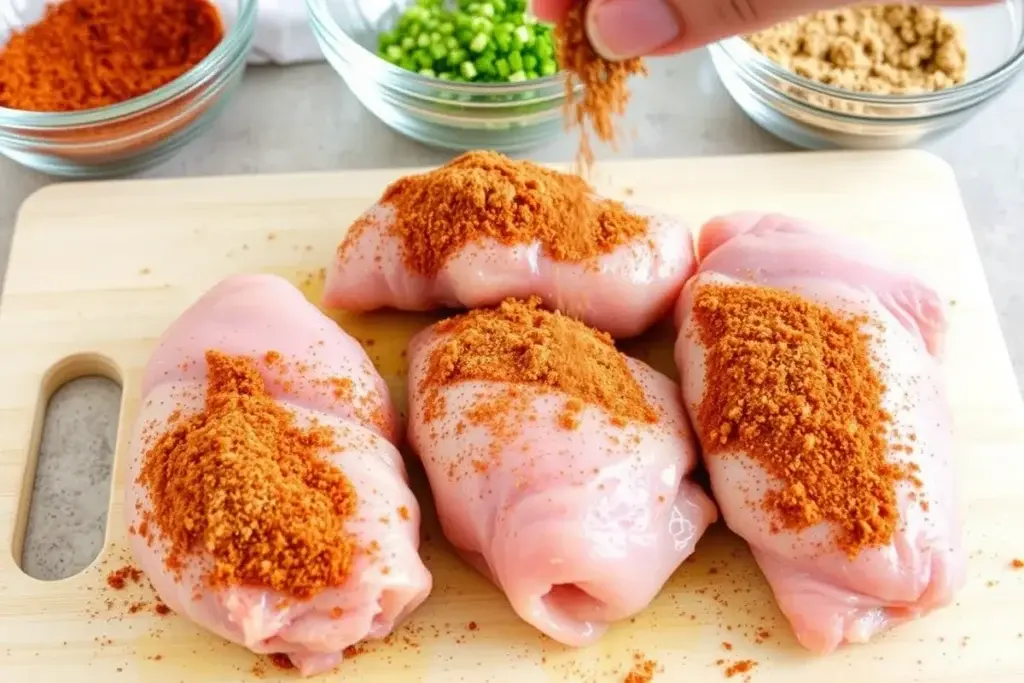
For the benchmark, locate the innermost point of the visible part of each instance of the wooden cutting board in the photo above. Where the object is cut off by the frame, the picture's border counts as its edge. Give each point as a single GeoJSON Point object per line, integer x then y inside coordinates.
{"type": "Point", "coordinates": [98, 270]}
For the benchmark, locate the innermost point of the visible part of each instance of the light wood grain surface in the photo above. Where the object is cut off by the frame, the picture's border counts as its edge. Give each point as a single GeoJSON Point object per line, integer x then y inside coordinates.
{"type": "Point", "coordinates": [99, 270]}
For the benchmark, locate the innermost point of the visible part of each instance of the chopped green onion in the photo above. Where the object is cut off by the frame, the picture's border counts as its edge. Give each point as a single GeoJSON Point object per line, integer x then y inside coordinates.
{"type": "Point", "coordinates": [482, 41]}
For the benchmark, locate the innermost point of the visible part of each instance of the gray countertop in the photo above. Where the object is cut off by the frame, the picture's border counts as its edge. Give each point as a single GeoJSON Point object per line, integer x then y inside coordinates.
{"type": "Point", "coordinates": [304, 119]}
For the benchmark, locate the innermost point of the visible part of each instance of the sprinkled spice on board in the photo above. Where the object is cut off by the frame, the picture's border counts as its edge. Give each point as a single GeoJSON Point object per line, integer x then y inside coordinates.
{"type": "Point", "coordinates": [119, 578]}
{"type": "Point", "coordinates": [643, 670]}
{"type": "Point", "coordinates": [485, 195]}
{"type": "Point", "coordinates": [525, 346]}
{"type": "Point", "coordinates": [793, 384]}
{"type": "Point", "coordinates": [741, 667]}
{"type": "Point", "coordinates": [85, 54]}
{"type": "Point", "coordinates": [243, 464]}
{"type": "Point", "coordinates": [605, 91]}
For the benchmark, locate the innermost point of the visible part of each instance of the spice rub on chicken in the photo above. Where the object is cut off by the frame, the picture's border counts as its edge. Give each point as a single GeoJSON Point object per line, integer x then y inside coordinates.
{"type": "Point", "coordinates": [267, 501]}
{"type": "Point", "coordinates": [484, 228]}
{"type": "Point", "coordinates": [559, 466]}
{"type": "Point", "coordinates": [811, 370]}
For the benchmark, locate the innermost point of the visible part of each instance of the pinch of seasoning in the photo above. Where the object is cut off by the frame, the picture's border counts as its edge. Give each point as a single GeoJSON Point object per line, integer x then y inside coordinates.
{"type": "Point", "coordinates": [794, 384]}
{"type": "Point", "coordinates": [531, 350]}
{"type": "Point", "coordinates": [643, 670]}
{"type": "Point", "coordinates": [243, 463]}
{"type": "Point", "coordinates": [605, 83]}
{"type": "Point", "coordinates": [1017, 563]}
{"type": "Point", "coordinates": [887, 48]}
{"type": "Point", "coordinates": [485, 196]}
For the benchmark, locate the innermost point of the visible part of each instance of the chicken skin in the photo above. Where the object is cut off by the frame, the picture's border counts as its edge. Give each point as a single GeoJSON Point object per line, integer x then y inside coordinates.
{"type": "Point", "coordinates": [319, 376]}
{"type": "Point", "coordinates": [829, 593]}
{"type": "Point", "coordinates": [577, 515]}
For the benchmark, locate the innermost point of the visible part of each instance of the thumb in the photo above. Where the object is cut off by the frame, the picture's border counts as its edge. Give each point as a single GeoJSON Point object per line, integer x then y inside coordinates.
{"type": "Point", "coordinates": [620, 29]}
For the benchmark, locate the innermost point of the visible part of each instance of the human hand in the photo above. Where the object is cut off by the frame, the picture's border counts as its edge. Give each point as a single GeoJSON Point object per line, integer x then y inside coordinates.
{"type": "Point", "coordinates": [620, 29]}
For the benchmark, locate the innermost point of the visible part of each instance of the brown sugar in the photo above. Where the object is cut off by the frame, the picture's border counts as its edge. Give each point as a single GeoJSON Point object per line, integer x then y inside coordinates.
{"type": "Point", "coordinates": [792, 383]}
{"type": "Point", "coordinates": [487, 196]}
{"type": "Point", "coordinates": [886, 49]}
{"type": "Point", "coordinates": [521, 344]}
{"type": "Point", "coordinates": [605, 91]}
{"type": "Point", "coordinates": [241, 482]}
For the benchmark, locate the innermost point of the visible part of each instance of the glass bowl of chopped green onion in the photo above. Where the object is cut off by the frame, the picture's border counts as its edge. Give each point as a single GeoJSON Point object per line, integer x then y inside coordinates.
{"type": "Point", "coordinates": [456, 74]}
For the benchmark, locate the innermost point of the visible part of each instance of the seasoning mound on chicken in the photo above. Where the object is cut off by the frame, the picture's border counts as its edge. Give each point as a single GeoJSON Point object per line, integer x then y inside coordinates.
{"type": "Point", "coordinates": [559, 466]}
{"type": "Point", "coordinates": [811, 369]}
{"type": "Point", "coordinates": [267, 501]}
{"type": "Point", "coordinates": [484, 228]}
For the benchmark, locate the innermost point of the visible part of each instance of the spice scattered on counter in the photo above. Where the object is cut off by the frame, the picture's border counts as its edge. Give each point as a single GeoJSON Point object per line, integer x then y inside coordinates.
{"type": "Point", "coordinates": [482, 41]}
{"type": "Point", "coordinates": [530, 349]}
{"type": "Point", "coordinates": [242, 463]}
{"type": "Point", "coordinates": [85, 54]}
{"type": "Point", "coordinates": [1017, 563]}
{"type": "Point", "coordinates": [487, 196]}
{"type": "Point", "coordinates": [885, 49]}
{"type": "Point", "coordinates": [605, 83]}
{"type": "Point", "coordinates": [793, 384]}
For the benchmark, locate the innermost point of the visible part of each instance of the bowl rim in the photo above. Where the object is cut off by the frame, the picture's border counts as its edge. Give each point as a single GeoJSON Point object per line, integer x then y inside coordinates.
{"type": "Point", "coordinates": [238, 36]}
{"type": "Point", "coordinates": [321, 18]}
{"type": "Point", "coordinates": [750, 60]}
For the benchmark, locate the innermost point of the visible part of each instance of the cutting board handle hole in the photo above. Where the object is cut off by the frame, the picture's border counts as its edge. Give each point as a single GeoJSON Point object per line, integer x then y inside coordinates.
{"type": "Point", "coordinates": [65, 497]}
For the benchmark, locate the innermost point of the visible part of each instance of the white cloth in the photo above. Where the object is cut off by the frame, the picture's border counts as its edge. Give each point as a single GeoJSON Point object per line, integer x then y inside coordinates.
{"type": "Point", "coordinates": [283, 34]}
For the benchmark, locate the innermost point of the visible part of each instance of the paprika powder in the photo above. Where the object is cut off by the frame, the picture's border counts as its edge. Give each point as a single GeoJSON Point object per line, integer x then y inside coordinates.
{"type": "Point", "coordinates": [85, 54]}
{"type": "Point", "coordinates": [487, 196]}
{"type": "Point", "coordinates": [242, 482]}
{"type": "Point", "coordinates": [794, 385]}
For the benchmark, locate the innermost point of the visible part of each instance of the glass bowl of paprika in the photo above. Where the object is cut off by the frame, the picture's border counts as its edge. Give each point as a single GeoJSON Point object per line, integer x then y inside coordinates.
{"type": "Point", "coordinates": [87, 92]}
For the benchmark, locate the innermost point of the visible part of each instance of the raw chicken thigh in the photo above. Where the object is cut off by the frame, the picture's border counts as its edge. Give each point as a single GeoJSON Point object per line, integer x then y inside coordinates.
{"type": "Point", "coordinates": [484, 228]}
{"type": "Point", "coordinates": [578, 514]}
{"type": "Point", "coordinates": [841, 581]}
{"type": "Point", "coordinates": [322, 378]}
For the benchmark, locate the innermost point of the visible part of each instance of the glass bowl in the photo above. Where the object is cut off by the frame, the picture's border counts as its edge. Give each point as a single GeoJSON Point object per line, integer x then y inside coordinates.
{"type": "Point", "coordinates": [130, 136]}
{"type": "Point", "coordinates": [815, 116]}
{"type": "Point", "coordinates": [458, 116]}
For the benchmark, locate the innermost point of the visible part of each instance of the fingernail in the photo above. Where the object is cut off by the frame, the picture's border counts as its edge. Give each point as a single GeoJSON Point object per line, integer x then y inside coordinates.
{"type": "Point", "coordinates": [620, 29]}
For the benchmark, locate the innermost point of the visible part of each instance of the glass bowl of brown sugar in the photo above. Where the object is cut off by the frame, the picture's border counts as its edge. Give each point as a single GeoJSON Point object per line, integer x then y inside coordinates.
{"type": "Point", "coordinates": [874, 76]}
{"type": "Point", "coordinates": [86, 93]}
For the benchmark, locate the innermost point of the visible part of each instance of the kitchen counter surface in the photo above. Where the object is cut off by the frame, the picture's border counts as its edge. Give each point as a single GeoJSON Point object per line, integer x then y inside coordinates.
{"type": "Point", "coordinates": [303, 119]}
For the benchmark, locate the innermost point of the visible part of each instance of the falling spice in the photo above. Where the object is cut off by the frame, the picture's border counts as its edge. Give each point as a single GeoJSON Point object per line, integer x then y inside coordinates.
{"type": "Point", "coordinates": [487, 196]}
{"type": "Point", "coordinates": [85, 54]}
{"type": "Point", "coordinates": [793, 384]}
{"type": "Point", "coordinates": [241, 481]}
{"type": "Point", "coordinates": [520, 344]}
{"type": "Point", "coordinates": [605, 91]}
